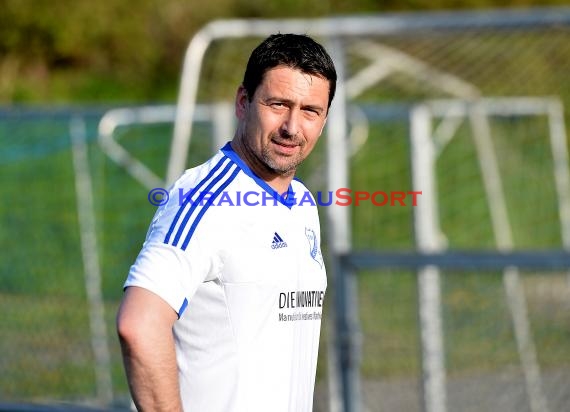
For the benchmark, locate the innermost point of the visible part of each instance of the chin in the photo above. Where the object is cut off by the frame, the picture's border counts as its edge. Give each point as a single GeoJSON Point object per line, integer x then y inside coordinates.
{"type": "Point", "coordinates": [280, 168]}
{"type": "Point", "coordinates": [290, 172]}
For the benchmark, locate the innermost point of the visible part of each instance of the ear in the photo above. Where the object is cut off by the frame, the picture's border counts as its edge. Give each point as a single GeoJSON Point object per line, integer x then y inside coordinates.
{"type": "Point", "coordinates": [241, 103]}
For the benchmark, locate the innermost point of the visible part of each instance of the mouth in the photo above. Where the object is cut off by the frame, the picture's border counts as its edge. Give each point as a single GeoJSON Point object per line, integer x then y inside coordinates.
{"type": "Point", "coordinates": [285, 147]}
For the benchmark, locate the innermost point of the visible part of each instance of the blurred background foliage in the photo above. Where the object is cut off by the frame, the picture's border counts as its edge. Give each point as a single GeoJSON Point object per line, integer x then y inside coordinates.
{"type": "Point", "coordinates": [83, 51]}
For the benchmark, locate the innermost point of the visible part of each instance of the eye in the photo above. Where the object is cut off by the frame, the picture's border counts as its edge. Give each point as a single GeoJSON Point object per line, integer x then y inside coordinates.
{"type": "Point", "coordinates": [311, 112]}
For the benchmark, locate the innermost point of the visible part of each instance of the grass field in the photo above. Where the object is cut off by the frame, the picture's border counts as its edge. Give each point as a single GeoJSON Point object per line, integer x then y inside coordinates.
{"type": "Point", "coordinates": [44, 326]}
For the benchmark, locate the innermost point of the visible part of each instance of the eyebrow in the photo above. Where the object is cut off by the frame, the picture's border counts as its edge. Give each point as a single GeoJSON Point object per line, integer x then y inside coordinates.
{"type": "Point", "coordinates": [291, 102]}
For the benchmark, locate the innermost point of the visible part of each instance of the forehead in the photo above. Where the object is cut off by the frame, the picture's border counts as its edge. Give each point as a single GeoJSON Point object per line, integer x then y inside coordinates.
{"type": "Point", "coordinates": [294, 84]}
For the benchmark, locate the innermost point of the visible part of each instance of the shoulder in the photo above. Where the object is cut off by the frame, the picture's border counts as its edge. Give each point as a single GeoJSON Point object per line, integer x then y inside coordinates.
{"type": "Point", "coordinates": [190, 197]}
{"type": "Point", "coordinates": [216, 169]}
{"type": "Point", "coordinates": [299, 188]}
{"type": "Point", "coordinates": [303, 196]}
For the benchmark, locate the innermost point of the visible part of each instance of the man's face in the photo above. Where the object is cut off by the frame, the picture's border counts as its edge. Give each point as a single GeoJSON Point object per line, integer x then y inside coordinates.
{"type": "Point", "coordinates": [283, 121]}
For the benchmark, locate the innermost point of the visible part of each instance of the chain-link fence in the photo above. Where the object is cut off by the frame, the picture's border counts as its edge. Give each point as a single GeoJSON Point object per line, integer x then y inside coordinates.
{"type": "Point", "coordinates": [491, 100]}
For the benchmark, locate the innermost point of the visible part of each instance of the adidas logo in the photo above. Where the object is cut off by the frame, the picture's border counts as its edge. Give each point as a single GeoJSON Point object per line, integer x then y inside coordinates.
{"type": "Point", "coordinates": [278, 242]}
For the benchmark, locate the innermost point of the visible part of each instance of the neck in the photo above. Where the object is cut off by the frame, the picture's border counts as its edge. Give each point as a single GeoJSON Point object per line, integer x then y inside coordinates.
{"type": "Point", "coordinates": [277, 181]}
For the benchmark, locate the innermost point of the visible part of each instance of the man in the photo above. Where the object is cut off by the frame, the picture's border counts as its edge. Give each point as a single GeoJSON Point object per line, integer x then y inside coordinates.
{"type": "Point", "coordinates": [222, 307]}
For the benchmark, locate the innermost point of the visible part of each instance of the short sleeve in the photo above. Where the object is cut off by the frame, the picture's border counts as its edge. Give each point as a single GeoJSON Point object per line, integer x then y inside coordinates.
{"type": "Point", "coordinates": [171, 272]}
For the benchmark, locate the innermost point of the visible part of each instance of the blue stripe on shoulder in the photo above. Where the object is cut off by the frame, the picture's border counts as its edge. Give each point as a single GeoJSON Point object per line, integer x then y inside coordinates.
{"type": "Point", "coordinates": [200, 202]}
{"type": "Point", "coordinates": [208, 204]}
{"type": "Point", "coordinates": [188, 198]}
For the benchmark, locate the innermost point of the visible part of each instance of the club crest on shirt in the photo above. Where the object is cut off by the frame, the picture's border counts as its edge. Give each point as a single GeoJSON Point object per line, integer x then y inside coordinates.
{"type": "Point", "coordinates": [314, 250]}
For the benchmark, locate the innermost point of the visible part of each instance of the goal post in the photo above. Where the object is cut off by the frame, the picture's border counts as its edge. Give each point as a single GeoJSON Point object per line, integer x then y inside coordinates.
{"type": "Point", "coordinates": [428, 230]}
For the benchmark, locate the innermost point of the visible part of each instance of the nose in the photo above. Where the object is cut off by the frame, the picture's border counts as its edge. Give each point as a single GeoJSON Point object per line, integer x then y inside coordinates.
{"type": "Point", "coordinates": [290, 125]}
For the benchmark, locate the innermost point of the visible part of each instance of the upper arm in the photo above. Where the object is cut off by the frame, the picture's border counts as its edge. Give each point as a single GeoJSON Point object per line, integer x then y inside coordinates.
{"type": "Point", "coordinates": [143, 313]}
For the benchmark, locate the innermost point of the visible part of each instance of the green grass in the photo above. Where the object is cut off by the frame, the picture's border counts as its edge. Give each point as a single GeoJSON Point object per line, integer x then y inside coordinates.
{"type": "Point", "coordinates": [44, 324]}
{"type": "Point", "coordinates": [47, 341]}
{"type": "Point", "coordinates": [388, 316]}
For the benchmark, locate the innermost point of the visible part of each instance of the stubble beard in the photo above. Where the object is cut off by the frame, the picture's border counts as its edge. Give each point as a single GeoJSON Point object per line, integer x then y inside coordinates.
{"type": "Point", "coordinates": [286, 167]}
{"type": "Point", "coordinates": [271, 161]}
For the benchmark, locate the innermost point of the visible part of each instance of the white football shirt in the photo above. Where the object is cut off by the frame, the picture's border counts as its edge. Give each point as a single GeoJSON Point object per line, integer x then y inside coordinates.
{"type": "Point", "coordinates": [243, 269]}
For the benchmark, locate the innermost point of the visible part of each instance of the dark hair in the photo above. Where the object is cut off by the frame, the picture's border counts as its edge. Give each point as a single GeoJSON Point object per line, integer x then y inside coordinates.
{"type": "Point", "coordinates": [293, 50]}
